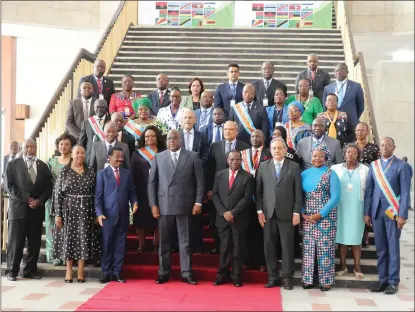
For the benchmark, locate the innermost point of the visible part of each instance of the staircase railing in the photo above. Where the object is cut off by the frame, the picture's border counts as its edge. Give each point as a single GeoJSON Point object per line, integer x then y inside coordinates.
{"type": "Point", "coordinates": [52, 122]}
{"type": "Point", "coordinates": [355, 63]}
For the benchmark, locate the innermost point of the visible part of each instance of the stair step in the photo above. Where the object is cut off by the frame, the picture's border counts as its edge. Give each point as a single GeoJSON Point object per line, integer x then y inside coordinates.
{"type": "Point", "coordinates": [226, 43]}
{"type": "Point", "coordinates": [235, 35]}
{"type": "Point", "coordinates": [294, 31]}
{"type": "Point", "coordinates": [321, 51]}
{"type": "Point", "coordinates": [252, 58]}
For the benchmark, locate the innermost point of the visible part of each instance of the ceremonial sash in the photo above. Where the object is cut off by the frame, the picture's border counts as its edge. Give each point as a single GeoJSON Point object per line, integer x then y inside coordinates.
{"type": "Point", "coordinates": [134, 129]}
{"type": "Point", "coordinates": [247, 164]}
{"type": "Point", "coordinates": [147, 153]}
{"type": "Point", "coordinates": [244, 117]}
{"type": "Point", "coordinates": [289, 135]}
{"type": "Point", "coordinates": [96, 127]}
{"type": "Point", "coordinates": [393, 209]}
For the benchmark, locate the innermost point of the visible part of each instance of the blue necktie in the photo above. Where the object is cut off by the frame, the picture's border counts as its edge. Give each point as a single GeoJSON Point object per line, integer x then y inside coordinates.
{"type": "Point", "coordinates": [340, 95]}
{"type": "Point", "coordinates": [217, 136]}
{"type": "Point", "coordinates": [233, 90]}
{"type": "Point", "coordinates": [277, 170]}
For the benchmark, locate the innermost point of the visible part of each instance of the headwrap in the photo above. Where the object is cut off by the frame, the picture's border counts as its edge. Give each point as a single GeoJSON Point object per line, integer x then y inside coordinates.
{"type": "Point", "coordinates": [298, 105]}
{"type": "Point", "coordinates": [137, 103]}
{"type": "Point", "coordinates": [323, 148]}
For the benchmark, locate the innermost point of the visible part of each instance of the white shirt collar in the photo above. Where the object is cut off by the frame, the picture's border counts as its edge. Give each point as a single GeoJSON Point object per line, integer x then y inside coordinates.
{"type": "Point", "coordinates": [113, 143]}
{"type": "Point", "coordinates": [96, 78]}
{"type": "Point", "coordinates": [113, 169]}
{"type": "Point", "coordinates": [318, 140]}
{"type": "Point", "coordinates": [341, 82]}
{"type": "Point", "coordinates": [270, 80]}
{"type": "Point", "coordinates": [250, 104]}
{"type": "Point", "coordinates": [205, 109]}
{"type": "Point", "coordinates": [177, 153]}
{"type": "Point", "coordinates": [86, 100]}
{"type": "Point", "coordinates": [259, 149]}
{"type": "Point", "coordinates": [279, 162]}
{"type": "Point", "coordinates": [34, 159]}
{"type": "Point", "coordinates": [191, 131]}
{"type": "Point", "coordinates": [232, 142]}
{"type": "Point", "coordinates": [387, 159]}
{"type": "Point", "coordinates": [235, 83]}
{"type": "Point", "coordinates": [230, 172]}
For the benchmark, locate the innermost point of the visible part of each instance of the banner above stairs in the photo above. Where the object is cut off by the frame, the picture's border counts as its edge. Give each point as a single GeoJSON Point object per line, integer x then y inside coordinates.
{"type": "Point", "coordinates": [221, 14]}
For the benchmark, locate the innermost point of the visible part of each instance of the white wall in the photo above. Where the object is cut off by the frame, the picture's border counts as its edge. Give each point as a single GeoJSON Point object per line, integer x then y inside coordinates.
{"type": "Point", "coordinates": [44, 55]}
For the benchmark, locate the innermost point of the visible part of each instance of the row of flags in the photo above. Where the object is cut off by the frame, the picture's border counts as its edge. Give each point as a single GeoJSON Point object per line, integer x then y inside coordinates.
{"type": "Point", "coordinates": [185, 13]}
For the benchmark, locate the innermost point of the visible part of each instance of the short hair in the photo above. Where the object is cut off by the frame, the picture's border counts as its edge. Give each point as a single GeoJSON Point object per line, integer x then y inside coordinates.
{"type": "Point", "coordinates": [283, 90]}
{"type": "Point", "coordinates": [99, 101]}
{"type": "Point", "coordinates": [305, 78]}
{"type": "Point", "coordinates": [161, 145]}
{"type": "Point", "coordinates": [110, 124]}
{"type": "Point", "coordinates": [268, 63]}
{"type": "Point", "coordinates": [233, 65]}
{"type": "Point", "coordinates": [127, 76]}
{"type": "Point", "coordinates": [113, 149]}
{"type": "Point", "coordinates": [386, 137]}
{"type": "Point", "coordinates": [202, 88]}
{"type": "Point", "coordinates": [233, 151]}
{"type": "Point", "coordinates": [333, 94]}
{"type": "Point", "coordinates": [279, 140]}
{"type": "Point", "coordinates": [313, 54]}
{"type": "Point", "coordinates": [220, 108]}
{"type": "Point", "coordinates": [65, 136]}
{"type": "Point", "coordinates": [352, 145]}
{"type": "Point", "coordinates": [363, 123]}
{"type": "Point", "coordinates": [175, 89]}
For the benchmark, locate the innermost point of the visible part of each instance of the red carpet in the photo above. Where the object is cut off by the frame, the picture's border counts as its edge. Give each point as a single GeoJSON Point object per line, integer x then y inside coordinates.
{"type": "Point", "coordinates": [145, 295]}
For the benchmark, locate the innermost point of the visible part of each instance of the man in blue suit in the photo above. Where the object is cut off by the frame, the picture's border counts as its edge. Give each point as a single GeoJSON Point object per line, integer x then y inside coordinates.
{"type": "Point", "coordinates": [204, 113]}
{"type": "Point", "coordinates": [214, 130]}
{"type": "Point", "coordinates": [230, 92]}
{"type": "Point", "coordinates": [349, 94]}
{"type": "Point", "coordinates": [114, 191]}
{"type": "Point", "coordinates": [386, 209]}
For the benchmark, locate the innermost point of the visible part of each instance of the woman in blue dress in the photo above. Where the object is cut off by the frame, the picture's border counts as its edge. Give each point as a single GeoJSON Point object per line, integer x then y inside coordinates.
{"type": "Point", "coordinates": [350, 214]}
{"type": "Point", "coordinates": [321, 195]}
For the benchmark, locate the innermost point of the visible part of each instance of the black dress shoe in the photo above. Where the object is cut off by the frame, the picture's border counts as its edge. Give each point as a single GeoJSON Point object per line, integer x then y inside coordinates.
{"type": "Point", "coordinates": [118, 278]}
{"type": "Point", "coordinates": [391, 289]}
{"type": "Point", "coordinates": [97, 264]}
{"type": "Point", "coordinates": [378, 287]}
{"type": "Point", "coordinates": [34, 275]}
{"type": "Point", "coordinates": [322, 288]}
{"type": "Point", "coordinates": [237, 283]}
{"type": "Point", "coordinates": [105, 279]}
{"type": "Point", "coordinates": [271, 284]}
{"type": "Point", "coordinates": [11, 277]}
{"type": "Point", "coordinates": [219, 281]}
{"type": "Point", "coordinates": [189, 280]}
{"type": "Point", "coordinates": [287, 283]}
{"type": "Point", "coordinates": [162, 279]}
{"type": "Point", "coordinates": [308, 286]}
{"type": "Point", "coordinates": [81, 280]}
{"type": "Point", "coordinates": [69, 281]}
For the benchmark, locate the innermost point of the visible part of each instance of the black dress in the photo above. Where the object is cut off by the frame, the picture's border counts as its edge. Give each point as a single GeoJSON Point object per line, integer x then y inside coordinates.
{"type": "Point", "coordinates": [370, 153]}
{"type": "Point", "coordinates": [73, 200]}
{"type": "Point", "coordinates": [140, 169]}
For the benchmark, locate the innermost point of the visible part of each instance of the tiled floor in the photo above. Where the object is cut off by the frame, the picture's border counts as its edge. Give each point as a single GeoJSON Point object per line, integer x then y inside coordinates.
{"type": "Point", "coordinates": [52, 294]}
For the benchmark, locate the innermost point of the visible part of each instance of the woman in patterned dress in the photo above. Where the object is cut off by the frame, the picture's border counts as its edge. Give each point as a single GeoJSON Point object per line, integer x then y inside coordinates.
{"type": "Point", "coordinates": [75, 214]}
{"type": "Point", "coordinates": [322, 191]}
{"type": "Point", "coordinates": [171, 115]}
{"type": "Point", "coordinates": [295, 126]}
{"type": "Point", "coordinates": [64, 144]}
{"type": "Point", "coordinates": [122, 101]}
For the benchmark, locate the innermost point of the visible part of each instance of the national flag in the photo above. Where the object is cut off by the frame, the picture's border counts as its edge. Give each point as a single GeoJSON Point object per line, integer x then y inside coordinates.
{"type": "Point", "coordinates": [306, 24]}
{"type": "Point", "coordinates": [282, 15]}
{"type": "Point", "coordinates": [173, 5]}
{"type": "Point", "coordinates": [186, 13]}
{"type": "Point", "coordinates": [161, 5]}
{"type": "Point", "coordinates": [209, 13]}
{"type": "Point", "coordinates": [282, 24]}
{"type": "Point", "coordinates": [210, 22]}
{"type": "Point", "coordinates": [270, 6]}
{"type": "Point", "coordinates": [257, 23]}
{"type": "Point", "coordinates": [185, 5]}
{"type": "Point", "coordinates": [259, 15]}
{"type": "Point", "coordinates": [257, 7]}
{"type": "Point", "coordinates": [269, 23]}
{"type": "Point", "coordinates": [197, 13]}
{"type": "Point", "coordinates": [173, 13]}
{"type": "Point", "coordinates": [163, 13]}
{"type": "Point", "coordinates": [197, 5]}
{"type": "Point", "coordinates": [186, 22]}
{"type": "Point", "coordinates": [269, 15]}
{"type": "Point", "coordinates": [307, 6]}
{"type": "Point", "coordinates": [294, 15]}
{"type": "Point", "coordinates": [161, 21]}
{"type": "Point", "coordinates": [282, 7]}
{"type": "Point", "coordinates": [173, 22]}
{"type": "Point", "coordinates": [304, 15]}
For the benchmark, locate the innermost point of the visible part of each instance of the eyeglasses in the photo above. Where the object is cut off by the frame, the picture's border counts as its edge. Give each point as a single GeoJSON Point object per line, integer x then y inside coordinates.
{"type": "Point", "coordinates": [293, 110]}
{"type": "Point", "coordinates": [175, 96]}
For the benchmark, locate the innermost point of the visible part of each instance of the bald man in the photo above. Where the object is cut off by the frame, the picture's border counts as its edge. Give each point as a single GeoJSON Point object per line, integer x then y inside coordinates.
{"type": "Point", "coordinates": [123, 135]}
{"type": "Point", "coordinates": [204, 113]}
{"type": "Point", "coordinates": [266, 86]}
{"type": "Point", "coordinates": [29, 184]}
{"type": "Point", "coordinates": [249, 115]}
{"type": "Point", "coordinates": [161, 96]}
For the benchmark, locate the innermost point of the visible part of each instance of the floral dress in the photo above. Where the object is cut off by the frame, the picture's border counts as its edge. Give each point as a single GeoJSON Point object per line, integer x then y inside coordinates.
{"type": "Point", "coordinates": [171, 121]}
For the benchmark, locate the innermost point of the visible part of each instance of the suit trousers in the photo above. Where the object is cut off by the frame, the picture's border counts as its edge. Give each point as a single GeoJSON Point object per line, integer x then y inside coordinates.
{"type": "Point", "coordinates": [255, 241]}
{"type": "Point", "coordinates": [232, 243]}
{"type": "Point", "coordinates": [113, 237]}
{"type": "Point", "coordinates": [279, 231]}
{"type": "Point", "coordinates": [167, 223]}
{"type": "Point", "coordinates": [196, 233]}
{"type": "Point", "coordinates": [29, 227]}
{"type": "Point", "coordinates": [387, 237]}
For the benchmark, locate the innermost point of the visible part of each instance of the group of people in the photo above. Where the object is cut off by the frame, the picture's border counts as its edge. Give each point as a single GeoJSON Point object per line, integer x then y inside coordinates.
{"type": "Point", "coordinates": [267, 169]}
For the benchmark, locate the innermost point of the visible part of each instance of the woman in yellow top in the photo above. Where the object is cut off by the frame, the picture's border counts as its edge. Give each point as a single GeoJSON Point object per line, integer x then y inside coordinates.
{"type": "Point", "coordinates": [312, 105]}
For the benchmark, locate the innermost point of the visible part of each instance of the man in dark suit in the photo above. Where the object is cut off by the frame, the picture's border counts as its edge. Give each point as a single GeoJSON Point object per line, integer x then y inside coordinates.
{"type": "Point", "coordinates": [349, 93]}
{"type": "Point", "coordinates": [232, 196]}
{"type": "Point", "coordinates": [387, 198]}
{"type": "Point", "coordinates": [115, 190]}
{"type": "Point", "coordinates": [279, 197]}
{"type": "Point", "coordinates": [99, 152]}
{"type": "Point", "coordinates": [230, 92]}
{"type": "Point", "coordinates": [14, 149]}
{"type": "Point", "coordinates": [29, 183]}
{"type": "Point", "coordinates": [204, 113]}
{"type": "Point", "coordinates": [79, 110]}
{"type": "Point", "coordinates": [175, 191]}
{"type": "Point", "coordinates": [161, 96]}
{"type": "Point", "coordinates": [123, 136]}
{"type": "Point", "coordinates": [92, 130]}
{"type": "Point", "coordinates": [214, 131]}
{"type": "Point", "coordinates": [249, 115]}
{"type": "Point", "coordinates": [265, 87]}
{"type": "Point", "coordinates": [318, 77]}
{"type": "Point", "coordinates": [103, 87]}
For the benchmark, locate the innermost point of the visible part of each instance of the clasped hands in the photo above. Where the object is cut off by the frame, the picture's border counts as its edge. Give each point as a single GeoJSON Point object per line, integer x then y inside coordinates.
{"type": "Point", "coordinates": [313, 218]}
{"type": "Point", "coordinates": [228, 216]}
{"type": "Point", "coordinates": [33, 203]}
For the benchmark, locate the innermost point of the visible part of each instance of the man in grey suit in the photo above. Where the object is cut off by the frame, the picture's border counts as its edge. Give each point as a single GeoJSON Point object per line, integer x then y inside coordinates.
{"type": "Point", "coordinates": [318, 137]}
{"type": "Point", "coordinates": [265, 87]}
{"type": "Point", "coordinates": [99, 152]}
{"type": "Point", "coordinates": [175, 192]}
{"type": "Point", "coordinates": [80, 110]}
{"type": "Point", "coordinates": [161, 96]}
{"type": "Point", "coordinates": [279, 198]}
{"type": "Point", "coordinates": [318, 77]}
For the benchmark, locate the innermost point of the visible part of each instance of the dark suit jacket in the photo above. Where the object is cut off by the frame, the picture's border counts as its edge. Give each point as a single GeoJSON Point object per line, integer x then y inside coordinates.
{"type": "Point", "coordinates": [259, 118]}
{"type": "Point", "coordinates": [321, 80]}
{"type": "Point", "coordinates": [87, 137]}
{"type": "Point", "coordinates": [112, 200]}
{"type": "Point", "coordinates": [75, 116]}
{"type": "Point", "coordinates": [265, 154]}
{"type": "Point", "coordinates": [154, 98]}
{"type": "Point", "coordinates": [260, 90]}
{"type": "Point", "coordinates": [20, 189]}
{"type": "Point", "coordinates": [129, 140]}
{"type": "Point", "coordinates": [175, 191]}
{"type": "Point", "coordinates": [353, 101]}
{"type": "Point", "coordinates": [217, 160]}
{"type": "Point", "coordinates": [284, 196]}
{"type": "Point", "coordinates": [107, 88]}
{"type": "Point", "coordinates": [200, 146]}
{"type": "Point", "coordinates": [223, 96]}
{"type": "Point", "coordinates": [99, 155]}
{"type": "Point", "coordinates": [208, 130]}
{"type": "Point", "coordinates": [237, 200]}
{"type": "Point", "coordinates": [197, 113]}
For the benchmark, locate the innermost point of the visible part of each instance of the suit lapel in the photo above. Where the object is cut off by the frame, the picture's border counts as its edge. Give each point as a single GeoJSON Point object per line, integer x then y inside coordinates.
{"type": "Point", "coordinates": [79, 108]}
{"type": "Point", "coordinates": [91, 107]}
{"type": "Point", "coordinates": [236, 181]}
{"type": "Point", "coordinates": [349, 88]}
{"type": "Point", "coordinates": [271, 168]}
{"type": "Point", "coordinates": [284, 170]}
{"type": "Point", "coordinates": [94, 84]}
{"type": "Point", "coordinates": [196, 139]}
{"type": "Point", "coordinates": [39, 170]}
{"type": "Point", "coordinates": [180, 163]}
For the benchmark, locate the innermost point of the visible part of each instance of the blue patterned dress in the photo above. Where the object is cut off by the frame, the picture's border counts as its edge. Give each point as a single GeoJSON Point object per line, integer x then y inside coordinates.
{"type": "Point", "coordinates": [322, 191]}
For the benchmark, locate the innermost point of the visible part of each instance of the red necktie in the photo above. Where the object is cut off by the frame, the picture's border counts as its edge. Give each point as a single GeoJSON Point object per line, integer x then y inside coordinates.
{"type": "Point", "coordinates": [232, 179]}
{"type": "Point", "coordinates": [99, 86]}
{"type": "Point", "coordinates": [255, 159]}
{"type": "Point", "coordinates": [161, 96]}
{"type": "Point", "coordinates": [117, 176]}
{"type": "Point", "coordinates": [313, 73]}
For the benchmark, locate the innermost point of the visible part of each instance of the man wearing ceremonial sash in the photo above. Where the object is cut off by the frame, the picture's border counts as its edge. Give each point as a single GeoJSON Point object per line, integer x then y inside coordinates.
{"type": "Point", "coordinates": [123, 135]}
{"type": "Point", "coordinates": [386, 209]}
{"type": "Point", "coordinates": [249, 115]}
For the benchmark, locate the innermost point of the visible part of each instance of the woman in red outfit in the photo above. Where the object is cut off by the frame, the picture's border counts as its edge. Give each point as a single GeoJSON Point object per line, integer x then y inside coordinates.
{"type": "Point", "coordinates": [121, 101]}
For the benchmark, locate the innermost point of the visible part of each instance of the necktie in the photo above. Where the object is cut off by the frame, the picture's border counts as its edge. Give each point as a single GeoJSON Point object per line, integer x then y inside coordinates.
{"type": "Point", "coordinates": [174, 160]}
{"type": "Point", "coordinates": [86, 110]}
{"type": "Point", "coordinates": [203, 118]}
{"type": "Point", "coordinates": [12, 157]}
{"type": "Point", "coordinates": [228, 147]}
{"type": "Point", "coordinates": [248, 107]}
{"type": "Point", "coordinates": [233, 90]}
{"type": "Point", "coordinates": [232, 179]}
{"type": "Point", "coordinates": [266, 85]}
{"type": "Point", "coordinates": [217, 135]}
{"type": "Point", "coordinates": [161, 96]}
{"type": "Point", "coordinates": [340, 94]}
{"type": "Point", "coordinates": [187, 140]}
{"type": "Point", "coordinates": [255, 159]}
{"type": "Point", "coordinates": [32, 172]}
{"type": "Point", "coordinates": [117, 176]}
{"type": "Point", "coordinates": [99, 86]}
{"type": "Point", "coordinates": [277, 170]}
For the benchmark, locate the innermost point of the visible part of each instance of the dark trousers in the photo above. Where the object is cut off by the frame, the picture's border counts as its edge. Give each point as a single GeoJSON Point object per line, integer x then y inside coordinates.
{"type": "Point", "coordinates": [113, 239]}
{"type": "Point", "coordinates": [18, 230]}
{"type": "Point", "coordinates": [167, 223]}
{"type": "Point", "coordinates": [232, 242]}
{"type": "Point", "coordinates": [196, 233]}
{"type": "Point", "coordinates": [276, 230]}
{"type": "Point", "coordinates": [255, 241]}
{"type": "Point", "coordinates": [211, 211]}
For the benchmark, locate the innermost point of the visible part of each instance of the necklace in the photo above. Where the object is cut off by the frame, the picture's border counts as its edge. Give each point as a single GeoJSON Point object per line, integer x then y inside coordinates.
{"type": "Point", "coordinates": [77, 169]}
{"type": "Point", "coordinates": [305, 103]}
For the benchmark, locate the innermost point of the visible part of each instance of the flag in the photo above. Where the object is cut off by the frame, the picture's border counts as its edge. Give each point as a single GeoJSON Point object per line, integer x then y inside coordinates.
{"type": "Point", "coordinates": [209, 13]}
{"type": "Point", "coordinates": [209, 5]}
{"type": "Point", "coordinates": [163, 13]}
{"type": "Point", "coordinates": [257, 7]}
{"type": "Point", "coordinates": [257, 23]}
{"type": "Point", "coordinates": [269, 23]}
{"type": "Point", "coordinates": [197, 13]}
{"type": "Point", "coordinates": [304, 15]}
{"type": "Point", "coordinates": [185, 13]}
{"type": "Point", "coordinates": [173, 5]}
{"type": "Point", "coordinates": [186, 22]}
{"type": "Point", "coordinates": [185, 5]}
{"type": "Point", "coordinates": [161, 21]}
{"type": "Point", "coordinates": [173, 13]}
{"type": "Point", "coordinates": [306, 24]}
{"type": "Point", "coordinates": [295, 15]}
{"type": "Point", "coordinates": [173, 22]}
{"type": "Point", "coordinates": [282, 7]}
{"type": "Point", "coordinates": [270, 7]}
{"type": "Point", "coordinates": [282, 15]}
{"type": "Point", "coordinates": [282, 24]}
{"type": "Point", "coordinates": [197, 5]}
{"type": "Point", "coordinates": [161, 5]}
{"type": "Point", "coordinates": [307, 6]}
{"type": "Point", "coordinates": [259, 15]}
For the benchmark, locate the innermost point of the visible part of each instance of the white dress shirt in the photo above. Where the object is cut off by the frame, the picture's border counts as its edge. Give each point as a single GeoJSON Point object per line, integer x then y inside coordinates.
{"type": "Point", "coordinates": [108, 145]}
{"type": "Point", "coordinates": [341, 87]}
{"type": "Point", "coordinates": [190, 136]}
{"type": "Point", "coordinates": [204, 122]}
{"type": "Point", "coordinates": [269, 81]}
{"type": "Point", "coordinates": [177, 154]}
{"type": "Point", "coordinates": [34, 159]}
{"type": "Point", "coordinates": [86, 106]}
